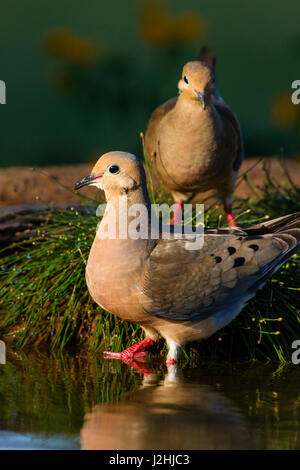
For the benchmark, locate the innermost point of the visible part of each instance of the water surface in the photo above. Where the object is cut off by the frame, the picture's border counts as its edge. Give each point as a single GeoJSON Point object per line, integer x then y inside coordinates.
{"type": "Point", "coordinates": [79, 401]}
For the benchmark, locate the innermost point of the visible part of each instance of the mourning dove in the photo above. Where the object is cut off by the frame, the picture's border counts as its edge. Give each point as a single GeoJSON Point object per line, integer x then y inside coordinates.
{"type": "Point", "coordinates": [167, 288]}
{"type": "Point", "coordinates": [194, 140]}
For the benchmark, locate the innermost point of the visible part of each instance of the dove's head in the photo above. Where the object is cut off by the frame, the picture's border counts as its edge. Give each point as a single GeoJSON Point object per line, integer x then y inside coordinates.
{"type": "Point", "coordinates": [197, 82]}
{"type": "Point", "coordinates": [117, 173]}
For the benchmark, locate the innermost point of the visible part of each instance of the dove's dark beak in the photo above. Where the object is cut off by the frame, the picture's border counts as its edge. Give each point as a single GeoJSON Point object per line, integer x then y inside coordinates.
{"type": "Point", "coordinates": [87, 180]}
{"type": "Point", "coordinates": [202, 98]}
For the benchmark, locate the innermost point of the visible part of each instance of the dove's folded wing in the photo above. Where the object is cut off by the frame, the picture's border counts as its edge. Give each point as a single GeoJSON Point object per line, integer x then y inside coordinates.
{"type": "Point", "coordinates": [188, 285]}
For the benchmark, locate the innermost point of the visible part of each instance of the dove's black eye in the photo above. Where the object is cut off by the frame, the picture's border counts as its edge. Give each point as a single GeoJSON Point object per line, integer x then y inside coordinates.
{"type": "Point", "coordinates": [185, 78]}
{"type": "Point", "coordinates": [114, 168]}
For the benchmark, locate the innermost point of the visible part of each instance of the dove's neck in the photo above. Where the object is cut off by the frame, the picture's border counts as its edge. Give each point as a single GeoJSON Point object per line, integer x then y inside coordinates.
{"type": "Point", "coordinates": [116, 258]}
{"type": "Point", "coordinates": [126, 215]}
{"type": "Point", "coordinates": [189, 110]}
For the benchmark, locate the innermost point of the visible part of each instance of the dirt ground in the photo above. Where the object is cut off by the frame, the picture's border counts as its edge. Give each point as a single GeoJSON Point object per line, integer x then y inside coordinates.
{"type": "Point", "coordinates": [22, 185]}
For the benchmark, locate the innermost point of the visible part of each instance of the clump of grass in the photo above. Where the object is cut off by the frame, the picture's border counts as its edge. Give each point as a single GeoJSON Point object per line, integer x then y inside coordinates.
{"type": "Point", "coordinates": [44, 298]}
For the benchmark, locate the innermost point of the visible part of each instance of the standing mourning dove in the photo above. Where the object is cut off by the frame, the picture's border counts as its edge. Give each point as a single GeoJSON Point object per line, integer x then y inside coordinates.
{"type": "Point", "coordinates": [168, 289]}
{"type": "Point", "coordinates": [194, 140]}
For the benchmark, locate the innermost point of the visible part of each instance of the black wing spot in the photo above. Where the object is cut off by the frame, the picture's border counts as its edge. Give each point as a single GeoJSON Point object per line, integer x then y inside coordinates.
{"type": "Point", "coordinates": [218, 259]}
{"type": "Point", "coordinates": [254, 247]}
{"type": "Point", "coordinates": [231, 250]}
{"type": "Point", "coordinates": [238, 262]}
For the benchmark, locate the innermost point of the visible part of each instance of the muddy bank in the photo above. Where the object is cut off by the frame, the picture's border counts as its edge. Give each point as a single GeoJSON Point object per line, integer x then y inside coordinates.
{"type": "Point", "coordinates": [22, 185]}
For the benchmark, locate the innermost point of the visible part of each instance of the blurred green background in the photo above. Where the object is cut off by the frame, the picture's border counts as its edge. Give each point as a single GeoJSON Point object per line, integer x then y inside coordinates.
{"type": "Point", "coordinates": [83, 77]}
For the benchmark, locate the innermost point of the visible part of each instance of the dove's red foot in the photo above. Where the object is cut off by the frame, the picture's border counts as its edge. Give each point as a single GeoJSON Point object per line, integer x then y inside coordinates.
{"type": "Point", "coordinates": [138, 365]}
{"type": "Point", "coordinates": [229, 215]}
{"type": "Point", "coordinates": [177, 216]}
{"type": "Point", "coordinates": [170, 361]}
{"type": "Point", "coordinates": [136, 350]}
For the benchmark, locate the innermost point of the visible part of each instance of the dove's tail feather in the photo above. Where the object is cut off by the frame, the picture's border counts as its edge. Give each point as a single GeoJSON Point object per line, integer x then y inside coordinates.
{"type": "Point", "coordinates": [276, 225]}
{"type": "Point", "coordinates": [206, 55]}
{"type": "Point", "coordinates": [286, 232]}
{"type": "Point", "coordinates": [285, 229]}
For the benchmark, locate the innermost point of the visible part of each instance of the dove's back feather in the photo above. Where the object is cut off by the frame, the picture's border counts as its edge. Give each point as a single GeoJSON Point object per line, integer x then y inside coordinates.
{"type": "Point", "coordinates": [231, 266]}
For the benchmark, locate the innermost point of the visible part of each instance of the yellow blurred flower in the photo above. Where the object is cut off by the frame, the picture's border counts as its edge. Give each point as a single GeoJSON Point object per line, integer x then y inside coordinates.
{"type": "Point", "coordinates": [189, 27]}
{"type": "Point", "coordinates": [70, 47]}
{"type": "Point", "coordinates": [284, 112]}
{"type": "Point", "coordinates": [158, 27]}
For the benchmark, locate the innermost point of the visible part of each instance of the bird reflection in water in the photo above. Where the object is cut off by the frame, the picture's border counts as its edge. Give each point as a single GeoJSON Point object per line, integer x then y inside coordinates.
{"type": "Point", "coordinates": [169, 413]}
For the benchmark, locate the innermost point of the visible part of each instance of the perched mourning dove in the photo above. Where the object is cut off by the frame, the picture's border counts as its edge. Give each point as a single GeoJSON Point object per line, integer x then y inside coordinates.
{"type": "Point", "coordinates": [162, 284]}
{"type": "Point", "coordinates": [194, 140]}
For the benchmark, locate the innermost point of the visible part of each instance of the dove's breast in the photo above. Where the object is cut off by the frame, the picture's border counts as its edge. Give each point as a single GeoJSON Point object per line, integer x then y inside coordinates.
{"type": "Point", "coordinates": [112, 274]}
{"type": "Point", "coordinates": [189, 153]}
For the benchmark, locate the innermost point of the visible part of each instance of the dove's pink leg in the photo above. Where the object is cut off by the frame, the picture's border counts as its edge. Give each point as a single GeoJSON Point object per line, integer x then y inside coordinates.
{"type": "Point", "coordinates": [173, 354]}
{"type": "Point", "coordinates": [229, 215]}
{"type": "Point", "coordinates": [170, 361]}
{"type": "Point", "coordinates": [177, 216]}
{"type": "Point", "coordinates": [135, 350]}
{"type": "Point", "coordinates": [139, 366]}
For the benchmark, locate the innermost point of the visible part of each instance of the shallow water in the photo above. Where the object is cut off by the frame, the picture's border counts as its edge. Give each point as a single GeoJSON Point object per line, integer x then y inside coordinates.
{"type": "Point", "coordinates": [78, 401]}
